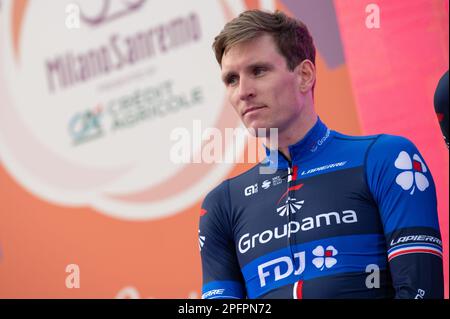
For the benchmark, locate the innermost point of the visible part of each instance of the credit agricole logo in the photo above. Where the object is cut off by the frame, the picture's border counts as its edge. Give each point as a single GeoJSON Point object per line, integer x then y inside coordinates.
{"type": "Point", "coordinates": [86, 113]}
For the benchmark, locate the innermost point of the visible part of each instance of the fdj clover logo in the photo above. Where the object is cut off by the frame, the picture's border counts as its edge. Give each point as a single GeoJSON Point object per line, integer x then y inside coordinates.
{"type": "Point", "coordinates": [85, 126]}
{"type": "Point", "coordinates": [413, 176]}
{"type": "Point", "coordinates": [324, 258]}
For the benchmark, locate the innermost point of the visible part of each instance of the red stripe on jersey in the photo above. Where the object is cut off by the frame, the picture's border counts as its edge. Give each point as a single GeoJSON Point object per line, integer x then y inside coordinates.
{"type": "Point", "coordinates": [299, 289]}
{"type": "Point", "coordinates": [294, 174]}
{"type": "Point", "coordinates": [293, 188]}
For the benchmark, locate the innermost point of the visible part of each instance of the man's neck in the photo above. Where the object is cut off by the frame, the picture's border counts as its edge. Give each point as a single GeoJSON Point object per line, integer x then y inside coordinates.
{"type": "Point", "coordinates": [294, 134]}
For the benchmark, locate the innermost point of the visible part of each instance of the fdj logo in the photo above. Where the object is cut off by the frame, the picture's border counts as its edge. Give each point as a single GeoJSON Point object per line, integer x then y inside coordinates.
{"type": "Point", "coordinates": [281, 267]}
{"type": "Point", "coordinates": [85, 126]}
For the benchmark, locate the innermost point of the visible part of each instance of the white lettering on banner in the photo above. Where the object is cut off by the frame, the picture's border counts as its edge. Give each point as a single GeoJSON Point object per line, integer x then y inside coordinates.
{"type": "Point", "coordinates": [69, 69]}
{"type": "Point", "coordinates": [286, 230]}
{"type": "Point", "coordinates": [287, 261]}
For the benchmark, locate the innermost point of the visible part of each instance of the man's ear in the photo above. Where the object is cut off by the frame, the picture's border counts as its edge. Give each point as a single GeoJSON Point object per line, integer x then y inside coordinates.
{"type": "Point", "coordinates": [307, 75]}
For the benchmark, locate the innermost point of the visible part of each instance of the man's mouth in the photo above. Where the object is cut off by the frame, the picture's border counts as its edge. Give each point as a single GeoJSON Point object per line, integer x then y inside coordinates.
{"type": "Point", "coordinates": [252, 109]}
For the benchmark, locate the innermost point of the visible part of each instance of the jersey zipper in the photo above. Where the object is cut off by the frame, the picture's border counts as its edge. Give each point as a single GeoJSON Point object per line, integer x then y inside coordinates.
{"type": "Point", "coordinates": [288, 212]}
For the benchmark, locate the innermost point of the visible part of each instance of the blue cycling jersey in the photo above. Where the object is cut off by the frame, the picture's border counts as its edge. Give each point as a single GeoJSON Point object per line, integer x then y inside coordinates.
{"type": "Point", "coordinates": [347, 217]}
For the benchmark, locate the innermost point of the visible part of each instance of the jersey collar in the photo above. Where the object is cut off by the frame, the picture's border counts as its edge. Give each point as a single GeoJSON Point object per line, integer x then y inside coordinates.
{"type": "Point", "coordinates": [309, 144]}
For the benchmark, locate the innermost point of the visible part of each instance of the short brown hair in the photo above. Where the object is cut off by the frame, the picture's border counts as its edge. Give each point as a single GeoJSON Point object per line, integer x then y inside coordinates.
{"type": "Point", "coordinates": [291, 36]}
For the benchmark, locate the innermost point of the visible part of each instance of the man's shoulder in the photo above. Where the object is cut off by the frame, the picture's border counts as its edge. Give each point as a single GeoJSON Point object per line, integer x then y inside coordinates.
{"type": "Point", "coordinates": [384, 152]}
{"type": "Point", "coordinates": [389, 144]}
{"type": "Point", "coordinates": [373, 150]}
{"type": "Point", "coordinates": [355, 138]}
{"type": "Point", "coordinates": [377, 140]}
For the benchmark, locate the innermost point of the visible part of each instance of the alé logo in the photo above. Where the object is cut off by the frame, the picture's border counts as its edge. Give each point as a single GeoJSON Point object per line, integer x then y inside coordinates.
{"type": "Point", "coordinates": [266, 184]}
{"type": "Point", "coordinates": [413, 172]}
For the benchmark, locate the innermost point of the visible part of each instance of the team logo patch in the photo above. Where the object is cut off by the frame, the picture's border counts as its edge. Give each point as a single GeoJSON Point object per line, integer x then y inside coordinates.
{"type": "Point", "coordinates": [412, 176]}
{"type": "Point", "coordinates": [291, 206]}
{"type": "Point", "coordinates": [324, 257]}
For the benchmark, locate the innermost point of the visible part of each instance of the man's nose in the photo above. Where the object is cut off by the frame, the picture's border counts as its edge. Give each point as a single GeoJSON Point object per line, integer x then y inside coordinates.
{"type": "Point", "coordinates": [246, 89]}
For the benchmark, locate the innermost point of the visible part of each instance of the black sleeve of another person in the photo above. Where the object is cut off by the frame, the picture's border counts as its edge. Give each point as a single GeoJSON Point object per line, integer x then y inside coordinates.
{"type": "Point", "coordinates": [441, 105]}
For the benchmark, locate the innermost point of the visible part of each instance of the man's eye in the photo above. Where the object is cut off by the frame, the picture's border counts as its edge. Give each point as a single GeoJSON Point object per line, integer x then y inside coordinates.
{"type": "Point", "coordinates": [231, 80]}
{"type": "Point", "coordinates": [258, 71]}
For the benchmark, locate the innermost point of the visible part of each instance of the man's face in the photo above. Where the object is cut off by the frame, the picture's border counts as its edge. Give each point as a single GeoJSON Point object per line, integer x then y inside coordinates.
{"type": "Point", "coordinates": [264, 93]}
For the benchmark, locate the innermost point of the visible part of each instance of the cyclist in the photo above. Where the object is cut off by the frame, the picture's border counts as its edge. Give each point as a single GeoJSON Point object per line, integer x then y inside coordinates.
{"type": "Point", "coordinates": [339, 216]}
